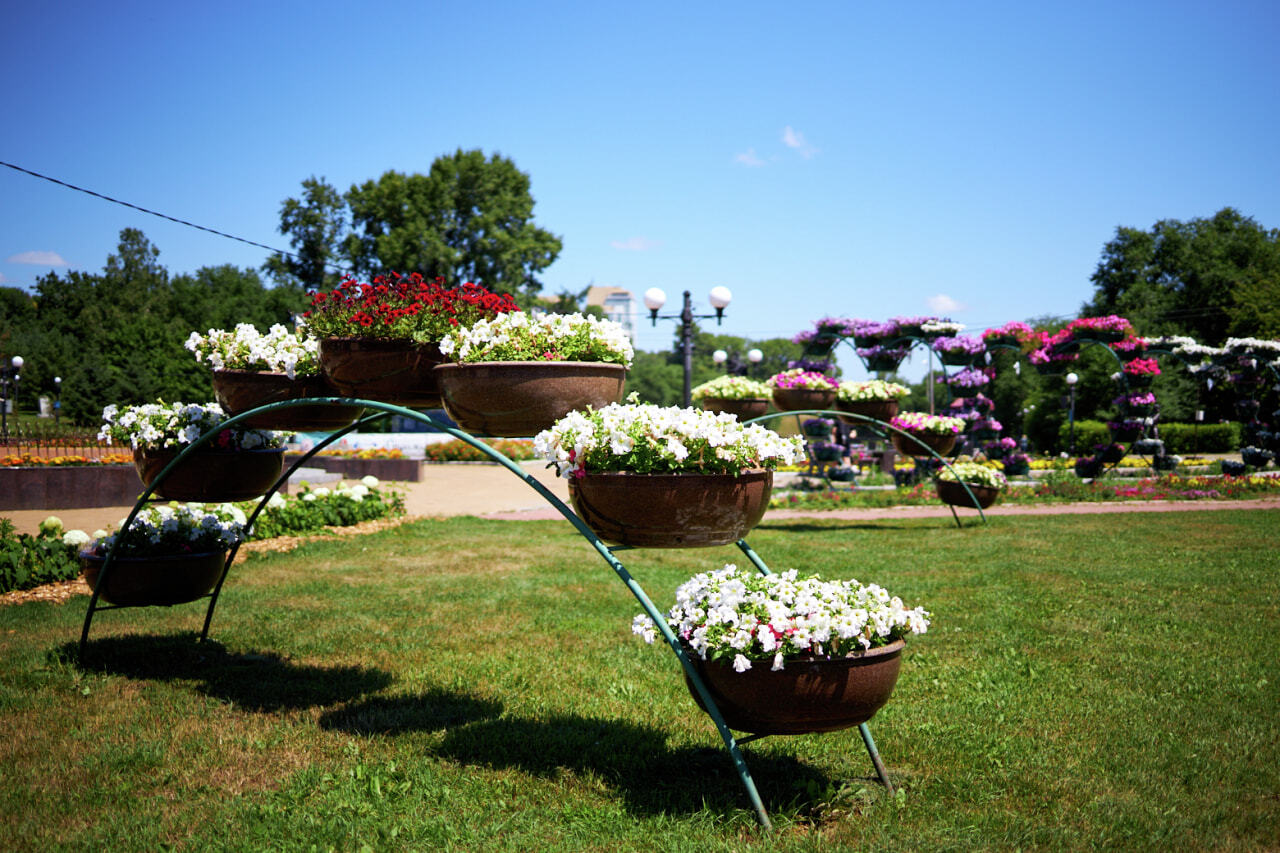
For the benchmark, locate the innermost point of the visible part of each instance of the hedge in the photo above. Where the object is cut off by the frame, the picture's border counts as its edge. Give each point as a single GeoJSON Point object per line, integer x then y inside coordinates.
{"type": "Point", "coordinates": [1182, 439]}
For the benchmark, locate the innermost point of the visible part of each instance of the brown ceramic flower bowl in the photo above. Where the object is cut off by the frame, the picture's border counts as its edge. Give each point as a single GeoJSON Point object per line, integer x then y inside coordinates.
{"type": "Point", "coordinates": [744, 409]}
{"type": "Point", "coordinates": [398, 372]}
{"type": "Point", "coordinates": [799, 399]}
{"type": "Point", "coordinates": [160, 580]}
{"type": "Point", "coordinates": [211, 475]}
{"type": "Point", "coordinates": [880, 410]}
{"type": "Point", "coordinates": [239, 391]}
{"type": "Point", "coordinates": [511, 399]}
{"type": "Point", "coordinates": [953, 493]}
{"type": "Point", "coordinates": [939, 444]}
{"type": "Point", "coordinates": [671, 510]}
{"type": "Point", "coordinates": [805, 695]}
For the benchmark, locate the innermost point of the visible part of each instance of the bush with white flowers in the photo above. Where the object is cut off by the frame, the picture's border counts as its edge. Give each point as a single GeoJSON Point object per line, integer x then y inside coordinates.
{"type": "Point", "coordinates": [245, 348]}
{"type": "Point", "coordinates": [649, 439]}
{"type": "Point", "coordinates": [744, 617]}
{"type": "Point", "coordinates": [731, 388]}
{"type": "Point", "coordinates": [166, 529]}
{"type": "Point", "coordinates": [521, 336]}
{"type": "Point", "coordinates": [161, 425]}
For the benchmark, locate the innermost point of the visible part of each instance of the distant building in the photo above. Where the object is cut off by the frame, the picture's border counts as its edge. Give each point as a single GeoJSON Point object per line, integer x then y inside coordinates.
{"type": "Point", "coordinates": [618, 305]}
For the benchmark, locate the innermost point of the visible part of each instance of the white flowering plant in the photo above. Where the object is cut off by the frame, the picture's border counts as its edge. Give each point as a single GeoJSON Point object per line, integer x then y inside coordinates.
{"type": "Point", "coordinates": [731, 388]}
{"type": "Point", "coordinates": [172, 425]}
{"type": "Point", "coordinates": [875, 390]}
{"type": "Point", "coordinates": [745, 617]}
{"type": "Point", "coordinates": [974, 473]}
{"type": "Point", "coordinates": [520, 336]}
{"type": "Point", "coordinates": [167, 529]}
{"type": "Point", "coordinates": [245, 348]}
{"type": "Point", "coordinates": [649, 439]}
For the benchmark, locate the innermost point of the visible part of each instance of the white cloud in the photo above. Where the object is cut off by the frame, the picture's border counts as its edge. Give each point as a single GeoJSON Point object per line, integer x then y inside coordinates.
{"type": "Point", "coordinates": [748, 158]}
{"type": "Point", "coordinates": [795, 140]}
{"type": "Point", "coordinates": [635, 244]}
{"type": "Point", "coordinates": [943, 304]}
{"type": "Point", "coordinates": [4, 279]}
{"type": "Point", "coordinates": [40, 259]}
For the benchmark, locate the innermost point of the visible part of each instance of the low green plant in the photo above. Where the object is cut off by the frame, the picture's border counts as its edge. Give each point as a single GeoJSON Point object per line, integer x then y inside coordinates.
{"type": "Point", "coordinates": [457, 450]}
{"type": "Point", "coordinates": [28, 561]}
{"type": "Point", "coordinates": [313, 509]}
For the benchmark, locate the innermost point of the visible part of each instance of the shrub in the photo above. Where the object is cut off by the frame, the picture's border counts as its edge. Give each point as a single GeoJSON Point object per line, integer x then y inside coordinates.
{"type": "Point", "coordinates": [1208, 438]}
{"type": "Point", "coordinates": [28, 561]}
{"type": "Point", "coordinates": [316, 509]}
{"type": "Point", "coordinates": [1088, 433]}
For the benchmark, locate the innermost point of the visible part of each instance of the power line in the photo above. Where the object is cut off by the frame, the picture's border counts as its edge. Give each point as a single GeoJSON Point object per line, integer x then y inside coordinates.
{"type": "Point", "coordinates": [162, 215]}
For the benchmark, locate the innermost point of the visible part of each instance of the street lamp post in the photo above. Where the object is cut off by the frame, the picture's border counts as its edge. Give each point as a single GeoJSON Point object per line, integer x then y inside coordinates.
{"type": "Point", "coordinates": [1072, 379]}
{"type": "Point", "coordinates": [734, 365]}
{"type": "Point", "coordinates": [9, 378]}
{"type": "Point", "coordinates": [655, 298]}
{"type": "Point", "coordinates": [57, 398]}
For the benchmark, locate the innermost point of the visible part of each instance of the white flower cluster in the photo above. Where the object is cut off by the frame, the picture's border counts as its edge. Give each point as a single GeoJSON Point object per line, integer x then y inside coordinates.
{"type": "Point", "coordinates": [747, 616]}
{"type": "Point", "coordinates": [974, 473]}
{"type": "Point", "coordinates": [176, 528]}
{"type": "Point", "coordinates": [875, 389]}
{"type": "Point", "coordinates": [731, 388]}
{"type": "Point", "coordinates": [245, 348]}
{"type": "Point", "coordinates": [158, 425]}
{"type": "Point", "coordinates": [941, 327]}
{"type": "Point", "coordinates": [521, 336]}
{"type": "Point", "coordinates": [1252, 346]}
{"type": "Point", "coordinates": [652, 439]}
{"type": "Point", "coordinates": [357, 493]}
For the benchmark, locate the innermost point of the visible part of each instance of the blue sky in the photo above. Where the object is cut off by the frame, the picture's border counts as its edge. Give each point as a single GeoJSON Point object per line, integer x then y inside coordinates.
{"type": "Point", "coordinates": [828, 158]}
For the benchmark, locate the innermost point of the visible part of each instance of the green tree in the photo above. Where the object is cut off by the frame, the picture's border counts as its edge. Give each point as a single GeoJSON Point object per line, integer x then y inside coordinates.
{"type": "Point", "coordinates": [316, 225]}
{"type": "Point", "coordinates": [469, 219]}
{"type": "Point", "coordinates": [1208, 278]}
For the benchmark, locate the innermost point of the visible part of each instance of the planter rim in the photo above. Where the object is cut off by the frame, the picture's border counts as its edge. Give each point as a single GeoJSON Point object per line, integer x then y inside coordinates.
{"type": "Point", "coordinates": [213, 451]}
{"type": "Point", "coordinates": [569, 365]}
{"type": "Point", "coordinates": [746, 472]}
{"type": "Point", "coordinates": [86, 555]}
{"type": "Point", "coordinates": [888, 650]}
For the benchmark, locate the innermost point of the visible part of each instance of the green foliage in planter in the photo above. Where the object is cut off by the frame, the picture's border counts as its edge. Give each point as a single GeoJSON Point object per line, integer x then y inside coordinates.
{"type": "Point", "coordinates": [1208, 438]}
{"type": "Point", "coordinates": [315, 509]}
{"type": "Point", "coordinates": [28, 561]}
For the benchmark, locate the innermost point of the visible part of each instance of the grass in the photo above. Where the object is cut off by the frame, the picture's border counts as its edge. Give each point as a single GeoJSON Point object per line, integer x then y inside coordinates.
{"type": "Point", "coordinates": [1090, 682]}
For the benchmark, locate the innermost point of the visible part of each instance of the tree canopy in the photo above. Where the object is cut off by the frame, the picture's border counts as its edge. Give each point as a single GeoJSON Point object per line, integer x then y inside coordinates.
{"type": "Point", "coordinates": [470, 218]}
{"type": "Point", "coordinates": [117, 336]}
{"type": "Point", "coordinates": [1208, 278]}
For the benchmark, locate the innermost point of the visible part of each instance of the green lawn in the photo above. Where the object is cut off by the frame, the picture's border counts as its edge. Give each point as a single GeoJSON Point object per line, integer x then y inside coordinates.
{"type": "Point", "coordinates": [1090, 682]}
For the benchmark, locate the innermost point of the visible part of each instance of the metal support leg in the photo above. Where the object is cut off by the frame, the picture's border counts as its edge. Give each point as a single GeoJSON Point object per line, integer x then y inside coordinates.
{"type": "Point", "coordinates": [875, 757]}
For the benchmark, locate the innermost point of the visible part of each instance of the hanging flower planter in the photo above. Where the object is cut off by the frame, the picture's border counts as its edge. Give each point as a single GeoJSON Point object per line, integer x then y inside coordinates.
{"type": "Point", "coordinates": [211, 475]}
{"type": "Point", "coordinates": [158, 580]}
{"type": "Point", "coordinates": [671, 510]}
{"type": "Point", "coordinates": [241, 390]}
{"type": "Point", "coordinates": [389, 371]}
{"type": "Point", "coordinates": [939, 444]}
{"type": "Point", "coordinates": [817, 427]}
{"type": "Point", "coordinates": [937, 433]}
{"type": "Point", "coordinates": [516, 374]}
{"type": "Point", "coordinates": [800, 399]}
{"type": "Point", "coordinates": [522, 398]}
{"type": "Point", "coordinates": [252, 369]}
{"type": "Point", "coordinates": [953, 493]}
{"type": "Point", "coordinates": [807, 696]}
{"type": "Point", "coordinates": [777, 678]}
{"type": "Point", "coordinates": [744, 409]}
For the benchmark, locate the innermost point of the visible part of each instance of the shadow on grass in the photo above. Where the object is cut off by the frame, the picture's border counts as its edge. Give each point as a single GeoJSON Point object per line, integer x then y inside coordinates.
{"type": "Point", "coordinates": [426, 712]}
{"type": "Point", "coordinates": [254, 681]}
{"type": "Point", "coordinates": [635, 760]}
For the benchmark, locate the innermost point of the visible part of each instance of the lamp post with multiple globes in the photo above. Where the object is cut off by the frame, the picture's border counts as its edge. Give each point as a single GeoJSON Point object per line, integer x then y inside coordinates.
{"type": "Point", "coordinates": [655, 298]}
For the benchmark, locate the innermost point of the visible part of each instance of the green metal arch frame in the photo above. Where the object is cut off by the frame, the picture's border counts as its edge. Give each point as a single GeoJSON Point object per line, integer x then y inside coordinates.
{"type": "Point", "coordinates": [606, 553]}
{"type": "Point", "coordinates": [883, 429]}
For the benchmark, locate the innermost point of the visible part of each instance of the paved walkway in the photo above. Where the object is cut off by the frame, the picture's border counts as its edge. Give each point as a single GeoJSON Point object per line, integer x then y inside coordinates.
{"type": "Point", "coordinates": [491, 491]}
